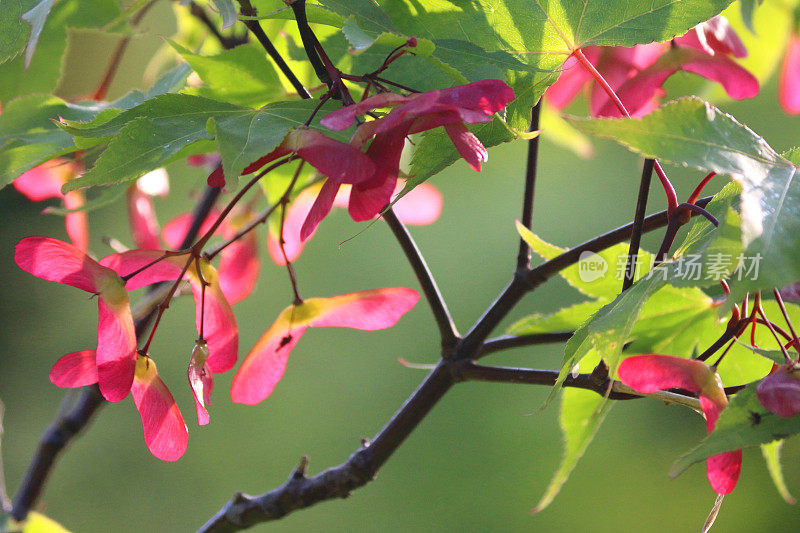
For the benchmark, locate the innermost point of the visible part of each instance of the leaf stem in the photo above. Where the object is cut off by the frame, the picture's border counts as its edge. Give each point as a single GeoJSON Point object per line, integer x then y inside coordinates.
{"type": "Point", "coordinates": [226, 42]}
{"type": "Point", "coordinates": [730, 332]}
{"type": "Point", "coordinates": [239, 195]}
{"type": "Point", "coordinates": [283, 202]}
{"type": "Point", "coordinates": [760, 311]}
{"type": "Point", "coordinates": [779, 299]}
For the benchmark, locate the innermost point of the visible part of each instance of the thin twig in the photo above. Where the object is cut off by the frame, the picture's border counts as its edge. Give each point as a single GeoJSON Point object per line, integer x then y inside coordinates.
{"type": "Point", "coordinates": [310, 42]}
{"type": "Point", "coordinates": [669, 190]}
{"type": "Point", "coordinates": [5, 502]}
{"type": "Point", "coordinates": [763, 315]}
{"type": "Point", "coordinates": [524, 254]}
{"type": "Point", "coordinates": [532, 376]}
{"type": "Point", "coordinates": [779, 299]}
{"type": "Point", "coordinates": [517, 341]}
{"type": "Point", "coordinates": [447, 329]}
{"type": "Point", "coordinates": [638, 224]}
{"type": "Point", "coordinates": [732, 331]}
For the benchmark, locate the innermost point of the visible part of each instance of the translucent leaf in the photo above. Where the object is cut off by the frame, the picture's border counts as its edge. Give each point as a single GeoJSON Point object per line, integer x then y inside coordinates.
{"type": "Point", "coordinates": [43, 72]}
{"type": "Point", "coordinates": [36, 18]}
{"type": "Point", "coordinates": [772, 456]}
{"type": "Point", "coordinates": [242, 75]}
{"type": "Point", "coordinates": [228, 11]}
{"type": "Point", "coordinates": [582, 412]}
{"type": "Point", "coordinates": [598, 275]}
{"type": "Point", "coordinates": [547, 32]}
{"type": "Point", "coordinates": [557, 130]}
{"type": "Point", "coordinates": [147, 136]}
{"type": "Point", "coordinates": [315, 13]}
{"type": "Point", "coordinates": [28, 135]}
{"type": "Point", "coordinates": [13, 34]}
{"type": "Point", "coordinates": [568, 318]}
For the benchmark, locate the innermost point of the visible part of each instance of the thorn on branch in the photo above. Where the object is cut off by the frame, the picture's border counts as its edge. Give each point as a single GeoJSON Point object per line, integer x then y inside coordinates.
{"type": "Point", "coordinates": [300, 469]}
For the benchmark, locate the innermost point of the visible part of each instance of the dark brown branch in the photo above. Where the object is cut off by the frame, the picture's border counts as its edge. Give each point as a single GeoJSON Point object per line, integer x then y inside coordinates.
{"type": "Point", "coordinates": [299, 491]}
{"type": "Point", "coordinates": [447, 329]}
{"type": "Point", "coordinates": [638, 223]}
{"type": "Point", "coordinates": [256, 29]}
{"type": "Point", "coordinates": [636, 238]}
{"type": "Point", "coordinates": [516, 341]}
{"type": "Point", "coordinates": [71, 420]}
{"type": "Point", "coordinates": [470, 371]}
{"type": "Point", "coordinates": [527, 280]}
{"type": "Point", "coordinates": [66, 426]}
{"type": "Point", "coordinates": [310, 42]}
{"type": "Point", "coordinates": [524, 254]}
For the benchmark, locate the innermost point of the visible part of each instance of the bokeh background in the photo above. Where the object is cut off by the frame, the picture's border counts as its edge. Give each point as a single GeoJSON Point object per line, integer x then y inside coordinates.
{"type": "Point", "coordinates": [481, 459]}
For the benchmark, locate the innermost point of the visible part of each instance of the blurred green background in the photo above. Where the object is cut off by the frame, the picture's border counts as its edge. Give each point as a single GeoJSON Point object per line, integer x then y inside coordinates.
{"type": "Point", "coordinates": [476, 463]}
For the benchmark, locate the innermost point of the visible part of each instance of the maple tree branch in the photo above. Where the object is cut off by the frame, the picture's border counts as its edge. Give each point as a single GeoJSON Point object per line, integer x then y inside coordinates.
{"type": "Point", "coordinates": [119, 51]}
{"type": "Point", "coordinates": [68, 423]}
{"type": "Point", "coordinates": [299, 491]}
{"type": "Point", "coordinates": [71, 419]}
{"type": "Point", "coordinates": [524, 254]}
{"type": "Point", "coordinates": [527, 280]}
{"type": "Point", "coordinates": [447, 329]}
{"type": "Point", "coordinates": [530, 376]}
